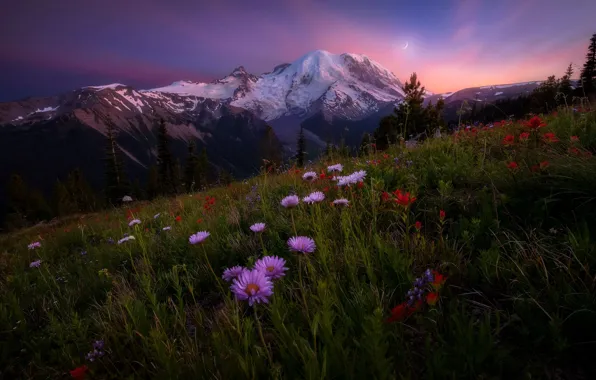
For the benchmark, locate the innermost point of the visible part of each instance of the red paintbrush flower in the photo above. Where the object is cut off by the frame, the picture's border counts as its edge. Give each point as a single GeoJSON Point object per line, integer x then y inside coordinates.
{"type": "Point", "coordinates": [385, 196]}
{"type": "Point", "coordinates": [432, 298]}
{"type": "Point", "coordinates": [544, 164]}
{"type": "Point", "coordinates": [535, 123]}
{"type": "Point", "coordinates": [403, 311]}
{"type": "Point", "coordinates": [524, 136]}
{"type": "Point", "coordinates": [442, 214]}
{"type": "Point", "coordinates": [79, 372]}
{"type": "Point", "coordinates": [550, 137]}
{"type": "Point", "coordinates": [438, 280]}
{"type": "Point", "coordinates": [512, 165]}
{"type": "Point", "coordinates": [403, 199]}
{"type": "Point", "coordinates": [509, 140]}
{"type": "Point", "coordinates": [418, 225]}
{"type": "Point", "coordinates": [178, 218]}
{"type": "Point", "coordinates": [574, 139]}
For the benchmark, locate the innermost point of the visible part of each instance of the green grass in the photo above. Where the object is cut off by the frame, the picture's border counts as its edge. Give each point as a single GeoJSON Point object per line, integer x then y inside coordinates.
{"type": "Point", "coordinates": [517, 247]}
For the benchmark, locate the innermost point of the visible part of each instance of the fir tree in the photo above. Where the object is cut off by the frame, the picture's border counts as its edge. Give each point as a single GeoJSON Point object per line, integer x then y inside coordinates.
{"type": "Point", "coordinates": [153, 189]}
{"type": "Point", "coordinates": [165, 163]}
{"type": "Point", "coordinates": [190, 169]}
{"type": "Point", "coordinates": [300, 148]}
{"type": "Point", "coordinates": [116, 183]}
{"type": "Point", "coordinates": [203, 174]}
{"type": "Point", "coordinates": [588, 73]}
{"type": "Point", "coordinates": [388, 131]}
{"type": "Point", "coordinates": [62, 203]}
{"type": "Point", "coordinates": [565, 82]}
{"type": "Point", "coordinates": [411, 111]}
{"type": "Point", "coordinates": [270, 149]}
{"type": "Point", "coordinates": [80, 192]}
{"type": "Point", "coordinates": [365, 144]}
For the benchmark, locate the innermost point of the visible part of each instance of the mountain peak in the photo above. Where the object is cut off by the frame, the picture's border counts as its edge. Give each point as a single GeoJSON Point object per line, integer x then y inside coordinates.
{"type": "Point", "coordinates": [238, 71]}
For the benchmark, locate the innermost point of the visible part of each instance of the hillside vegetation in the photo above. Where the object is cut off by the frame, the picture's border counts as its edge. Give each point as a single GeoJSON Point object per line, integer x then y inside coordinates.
{"type": "Point", "coordinates": [468, 256]}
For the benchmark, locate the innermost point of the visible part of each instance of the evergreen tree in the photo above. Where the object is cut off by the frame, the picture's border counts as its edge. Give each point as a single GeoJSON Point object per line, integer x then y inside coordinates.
{"type": "Point", "coordinates": [116, 183]}
{"type": "Point", "coordinates": [565, 82]}
{"type": "Point", "coordinates": [203, 175]}
{"type": "Point", "coordinates": [365, 144]}
{"type": "Point", "coordinates": [300, 148]}
{"type": "Point", "coordinates": [588, 73]}
{"type": "Point", "coordinates": [190, 169]}
{"type": "Point", "coordinates": [388, 131]}
{"type": "Point", "coordinates": [544, 96]}
{"type": "Point", "coordinates": [270, 149]}
{"type": "Point", "coordinates": [80, 192]}
{"type": "Point", "coordinates": [25, 205]}
{"type": "Point", "coordinates": [165, 162]}
{"type": "Point", "coordinates": [153, 189]}
{"type": "Point", "coordinates": [62, 202]}
{"type": "Point", "coordinates": [177, 175]}
{"type": "Point", "coordinates": [225, 177]}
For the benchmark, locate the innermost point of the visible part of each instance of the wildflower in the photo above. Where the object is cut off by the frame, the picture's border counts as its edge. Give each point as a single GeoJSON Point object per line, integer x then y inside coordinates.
{"type": "Point", "coordinates": [432, 298]}
{"type": "Point", "coordinates": [83, 253]}
{"type": "Point", "coordinates": [512, 165]}
{"type": "Point", "coordinates": [126, 238]}
{"type": "Point", "coordinates": [403, 199]}
{"type": "Point", "coordinates": [253, 286]}
{"type": "Point", "coordinates": [418, 225]}
{"type": "Point", "coordinates": [438, 280]}
{"type": "Point", "coordinates": [544, 165]}
{"type": "Point", "coordinates": [35, 264]}
{"type": "Point", "coordinates": [134, 222]}
{"type": "Point", "coordinates": [258, 227]}
{"type": "Point", "coordinates": [574, 139]}
{"type": "Point", "coordinates": [351, 179]}
{"type": "Point", "coordinates": [335, 168]}
{"type": "Point", "coordinates": [79, 372]}
{"type": "Point", "coordinates": [442, 214]}
{"type": "Point", "coordinates": [290, 201]}
{"type": "Point", "coordinates": [535, 123]}
{"type": "Point", "coordinates": [322, 175]}
{"type": "Point", "coordinates": [550, 137]}
{"type": "Point", "coordinates": [34, 245]}
{"type": "Point", "coordinates": [341, 202]}
{"type": "Point", "coordinates": [110, 240]}
{"type": "Point", "coordinates": [166, 228]}
{"type": "Point", "coordinates": [199, 237]}
{"type": "Point", "coordinates": [524, 136]}
{"type": "Point", "coordinates": [178, 218]}
{"type": "Point", "coordinates": [314, 197]}
{"type": "Point", "coordinates": [272, 266]}
{"type": "Point", "coordinates": [302, 244]}
{"type": "Point", "coordinates": [199, 221]}
{"type": "Point", "coordinates": [156, 215]}
{"type": "Point", "coordinates": [126, 198]}
{"type": "Point", "coordinates": [233, 272]}
{"type": "Point", "coordinates": [508, 140]}
{"type": "Point", "coordinates": [385, 196]}
{"type": "Point", "coordinates": [403, 311]}
{"type": "Point", "coordinates": [309, 176]}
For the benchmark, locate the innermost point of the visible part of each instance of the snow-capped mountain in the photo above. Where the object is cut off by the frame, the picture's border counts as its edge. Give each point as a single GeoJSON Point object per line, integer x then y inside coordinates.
{"type": "Point", "coordinates": [347, 85]}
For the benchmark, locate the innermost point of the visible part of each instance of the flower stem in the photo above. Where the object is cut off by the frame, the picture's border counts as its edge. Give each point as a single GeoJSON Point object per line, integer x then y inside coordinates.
{"type": "Point", "coordinates": [262, 337]}
{"type": "Point", "coordinates": [302, 285]}
{"type": "Point", "coordinates": [293, 223]}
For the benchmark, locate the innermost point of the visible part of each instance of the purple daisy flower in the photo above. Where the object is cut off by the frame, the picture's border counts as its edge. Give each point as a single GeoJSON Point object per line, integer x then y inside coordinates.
{"type": "Point", "coordinates": [341, 202]}
{"type": "Point", "coordinates": [34, 245]}
{"type": "Point", "coordinates": [199, 237]}
{"type": "Point", "coordinates": [314, 197]}
{"type": "Point", "coordinates": [290, 201]}
{"type": "Point", "coordinates": [253, 286]}
{"type": "Point", "coordinates": [309, 176]}
{"type": "Point", "coordinates": [133, 222]}
{"type": "Point", "coordinates": [35, 264]}
{"type": "Point", "coordinates": [233, 272]}
{"type": "Point", "coordinates": [335, 168]}
{"type": "Point", "coordinates": [302, 244]}
{"type": "Point", "coordinates": [258, 227]}
{"type": "Point", "coordinates": [156, 215]}
{"type": "Point", "coordinates": [166, 228]}
{"type": "Point", "coordinates": [272, 266]}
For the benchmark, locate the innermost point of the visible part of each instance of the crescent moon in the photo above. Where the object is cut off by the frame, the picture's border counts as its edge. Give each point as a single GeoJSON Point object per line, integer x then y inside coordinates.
{"type": "Point", "coordinates": [405, 47]}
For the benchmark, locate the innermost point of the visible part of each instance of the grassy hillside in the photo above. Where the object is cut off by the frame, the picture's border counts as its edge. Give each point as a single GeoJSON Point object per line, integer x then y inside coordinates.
{"type": "Point", "coordinates": [494, 244]}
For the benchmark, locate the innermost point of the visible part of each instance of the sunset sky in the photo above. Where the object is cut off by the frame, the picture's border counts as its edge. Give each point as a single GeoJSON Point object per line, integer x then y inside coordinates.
{"type": "Point", "coordinates": [53, 46]}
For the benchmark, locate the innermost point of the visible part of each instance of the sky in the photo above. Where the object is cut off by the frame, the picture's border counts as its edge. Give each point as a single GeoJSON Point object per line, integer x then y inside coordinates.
{"type": "Point", "coordinates": [49, 47]}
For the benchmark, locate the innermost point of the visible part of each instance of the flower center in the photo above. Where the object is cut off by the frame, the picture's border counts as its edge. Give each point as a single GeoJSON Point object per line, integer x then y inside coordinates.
{"type": "Point", "coordinates": [270, 269]}
{"type": "Point", "coordinates": [251, 289]}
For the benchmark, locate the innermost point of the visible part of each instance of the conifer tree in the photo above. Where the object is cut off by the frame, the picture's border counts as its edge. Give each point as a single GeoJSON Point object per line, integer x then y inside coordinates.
{"type": "Point", "coordinates": [25, 205]}
{"type": "Point", "coordinates": [300, 148]}
{"type": "Point", "coordinates": [165, 162]}
{"type": "Point", "coordinates": [588, 73]}
{"type": "Point", "coordinates": [190, 169]}
{"type": "Point", "coordinates": [365, 144]}
{"type": "Point", "coordinates": [80, 192]}
{"type": "Point", "coordinates": [270, 149]}
{"type": "Point", "coordinates": [153, 189]}
{"type": "Point", "coordinates": [116, 183]}
{"type": "Point", "coordinates": [388, 131]}
{"type": "Point", "coordinates": [203, 174]}
{"type": "Point", "coordinates": [62, 202]}
{"type": "Point", "coordinates": [565, 82]}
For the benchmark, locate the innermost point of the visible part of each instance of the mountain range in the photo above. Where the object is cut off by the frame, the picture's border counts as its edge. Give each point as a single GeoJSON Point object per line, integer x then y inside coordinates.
{"type": "Point", "coordinates": [331, 96]}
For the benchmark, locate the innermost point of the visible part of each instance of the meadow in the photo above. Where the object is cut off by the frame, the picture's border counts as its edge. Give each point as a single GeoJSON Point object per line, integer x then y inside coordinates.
{"type": "Point", "coordinates": [466, 256]}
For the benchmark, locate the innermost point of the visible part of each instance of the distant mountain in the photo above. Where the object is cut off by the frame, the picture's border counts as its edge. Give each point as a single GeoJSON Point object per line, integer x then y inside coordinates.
{"type": "Point", "coordinates": [332, 96]}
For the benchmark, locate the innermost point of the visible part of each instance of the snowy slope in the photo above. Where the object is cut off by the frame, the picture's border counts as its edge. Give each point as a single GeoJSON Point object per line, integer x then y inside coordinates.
{"type": "Point", "coordinates": [348, 85]}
